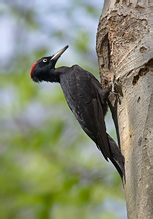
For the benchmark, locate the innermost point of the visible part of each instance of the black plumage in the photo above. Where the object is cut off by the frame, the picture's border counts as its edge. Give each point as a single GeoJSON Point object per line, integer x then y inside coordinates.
{"type": "Point", "coordinates": [86, 99]}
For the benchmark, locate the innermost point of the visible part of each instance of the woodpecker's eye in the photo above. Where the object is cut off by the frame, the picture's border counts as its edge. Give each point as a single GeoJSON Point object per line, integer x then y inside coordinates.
{"type": "Point", "coordinates": [44, 60]}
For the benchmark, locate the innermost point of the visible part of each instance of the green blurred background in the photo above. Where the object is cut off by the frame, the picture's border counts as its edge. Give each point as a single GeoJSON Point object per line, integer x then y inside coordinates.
{"type": "Point", "coordinates": [49, 169]}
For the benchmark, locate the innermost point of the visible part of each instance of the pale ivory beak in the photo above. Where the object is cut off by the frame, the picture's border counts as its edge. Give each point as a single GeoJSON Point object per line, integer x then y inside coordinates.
{"type": "Point", "coordinates": [59, 53]}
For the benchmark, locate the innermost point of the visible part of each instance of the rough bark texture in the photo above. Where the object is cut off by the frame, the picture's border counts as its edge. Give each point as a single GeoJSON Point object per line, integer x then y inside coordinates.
{"type": "Point", "coordinates": [125, 49]}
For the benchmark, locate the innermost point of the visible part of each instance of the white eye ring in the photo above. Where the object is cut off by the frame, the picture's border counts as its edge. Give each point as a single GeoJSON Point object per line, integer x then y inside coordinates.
{"type": "Point", "coordinates": [44, 60]}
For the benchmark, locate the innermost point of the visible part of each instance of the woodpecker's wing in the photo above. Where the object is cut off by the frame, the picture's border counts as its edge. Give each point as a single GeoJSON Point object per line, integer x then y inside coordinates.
{"type": "Point", "coordinates": [83, 97]}
{"type": "Point", "coordinates": [92, 121]}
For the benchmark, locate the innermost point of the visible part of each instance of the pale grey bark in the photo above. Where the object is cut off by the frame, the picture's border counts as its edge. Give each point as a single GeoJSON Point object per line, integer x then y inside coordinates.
{"type": "Point", "coordinates": [125, 49]}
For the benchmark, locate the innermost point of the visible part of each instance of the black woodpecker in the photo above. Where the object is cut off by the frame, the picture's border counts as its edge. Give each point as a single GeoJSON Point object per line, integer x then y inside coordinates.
{"type": "Point", "coordinates": [86, 99]}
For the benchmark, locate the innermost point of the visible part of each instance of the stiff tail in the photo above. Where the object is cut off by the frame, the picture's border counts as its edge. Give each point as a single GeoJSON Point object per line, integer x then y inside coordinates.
{"type": "Point", "coordinates": [117, 158]}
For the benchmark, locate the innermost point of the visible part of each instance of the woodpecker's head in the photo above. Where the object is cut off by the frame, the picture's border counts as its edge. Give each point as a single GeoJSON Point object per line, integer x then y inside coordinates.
{"type": "Point", "coordinates": [43, 68]}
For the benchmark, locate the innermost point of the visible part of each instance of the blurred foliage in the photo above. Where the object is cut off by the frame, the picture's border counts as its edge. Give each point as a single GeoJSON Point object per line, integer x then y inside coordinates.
{"type": "Point", "coordinates": [48, 167]}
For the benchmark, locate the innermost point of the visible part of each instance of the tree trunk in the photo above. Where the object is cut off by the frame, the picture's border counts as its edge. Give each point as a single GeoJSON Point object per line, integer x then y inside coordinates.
{"type": "Point", "coordinates": [125, 50]}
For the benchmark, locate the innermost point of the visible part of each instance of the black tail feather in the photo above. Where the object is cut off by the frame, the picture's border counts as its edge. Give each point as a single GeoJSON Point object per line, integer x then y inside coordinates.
{"type": "Point", "coordinates": [117, 158]}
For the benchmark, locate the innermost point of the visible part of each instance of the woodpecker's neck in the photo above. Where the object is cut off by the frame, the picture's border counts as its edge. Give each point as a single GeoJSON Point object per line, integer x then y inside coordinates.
{"type": "Point", "coordinates": [55, 74]}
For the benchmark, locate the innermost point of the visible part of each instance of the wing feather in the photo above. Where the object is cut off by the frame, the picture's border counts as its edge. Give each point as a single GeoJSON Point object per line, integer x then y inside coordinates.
{"type": "Point", "coordinates": [83, 94]}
